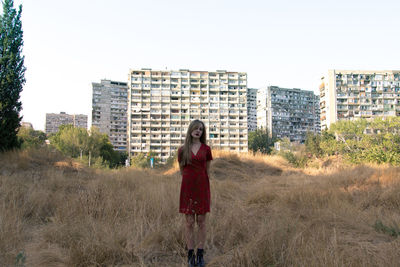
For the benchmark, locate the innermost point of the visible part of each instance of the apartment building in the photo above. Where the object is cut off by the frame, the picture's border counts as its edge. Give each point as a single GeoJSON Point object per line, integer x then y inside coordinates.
{"type": "Point", "coordinates": [54, 121]}
{"type": "Point", "coordinates": [288, 112]}
{"type": "Point", "coordinates": [353, 94]}
{"type": "Point", "coordinates": [109, 111]}
{"type": "Point", "coordinates": [162, 103]}
{"type": "Point", "coordinates": [251, 109]}
{"type": "Point", "coordinates": [27, 125]}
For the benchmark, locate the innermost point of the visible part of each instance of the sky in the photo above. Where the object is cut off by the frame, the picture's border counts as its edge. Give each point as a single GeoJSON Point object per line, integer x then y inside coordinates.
{"type": "Point", "coordinates": [287, 43]}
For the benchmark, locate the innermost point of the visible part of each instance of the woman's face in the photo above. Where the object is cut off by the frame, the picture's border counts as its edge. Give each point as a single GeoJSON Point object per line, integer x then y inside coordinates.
{"type": "Point", "coordinates": [197, 131]}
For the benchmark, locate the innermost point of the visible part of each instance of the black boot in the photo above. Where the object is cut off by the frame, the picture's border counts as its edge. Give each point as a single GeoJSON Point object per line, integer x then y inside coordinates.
{"type": "Point", "coordinates": [191, 258]}
{"type": "Point", "coordinates": [199, 259]}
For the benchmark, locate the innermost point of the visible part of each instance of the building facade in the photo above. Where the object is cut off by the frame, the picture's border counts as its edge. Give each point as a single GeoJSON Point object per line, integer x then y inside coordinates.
{"type": "Point", "coordinates": [109, 111]}
{"type": "Point", "coordinates": [251, 109]}
{"type": "Point", "coordinates": [353, 94]}
{"type": "Point", "coordinates": [288, 113]}
{"type": "Point", "coordinates": [54, 121]}
{"type": "Point", "coordinates": [162, 103]}
{"type": "Point", "coordinates": [27, 125]}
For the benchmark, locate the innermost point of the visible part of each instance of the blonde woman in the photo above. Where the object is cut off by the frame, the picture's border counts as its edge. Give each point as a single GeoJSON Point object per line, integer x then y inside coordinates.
{"type": "Point", "coordinates": [194, 161]}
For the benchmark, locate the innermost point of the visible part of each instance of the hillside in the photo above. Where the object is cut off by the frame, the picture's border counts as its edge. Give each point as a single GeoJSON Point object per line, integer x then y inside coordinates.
{"type": "Point", "coordinates": [55, 212]}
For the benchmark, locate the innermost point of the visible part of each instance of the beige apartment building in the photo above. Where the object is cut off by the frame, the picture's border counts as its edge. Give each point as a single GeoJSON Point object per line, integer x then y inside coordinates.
{"type": "Point", "coordinates": [54, 121]}
{"type": "Point", "coordinates": [352, 94]}
{"type": "Point", "coordinates": [162, 103]}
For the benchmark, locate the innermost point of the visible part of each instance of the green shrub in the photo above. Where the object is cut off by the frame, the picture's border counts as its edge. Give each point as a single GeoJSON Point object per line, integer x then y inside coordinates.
{"type": "Point", "coordinates": [298, 160]}
{"type": "Point", "coordinates": [142, 160]}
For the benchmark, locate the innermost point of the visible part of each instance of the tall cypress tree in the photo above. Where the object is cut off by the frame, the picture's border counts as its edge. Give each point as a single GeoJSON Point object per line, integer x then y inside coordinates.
{"type": "Point", "coordinates": [12, 74]}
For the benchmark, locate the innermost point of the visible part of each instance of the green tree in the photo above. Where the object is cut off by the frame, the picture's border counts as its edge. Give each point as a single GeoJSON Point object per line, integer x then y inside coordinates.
{"type": "Point", "coordinates": [285, 144]}
{"type": "Point", "coordinates": [364, 141]}
{"type": "Point", "coordinates": [71, 141]}
{"type": "Point", "coordinates": [96, 146]}
{"type": "Point", "coordinates": [312, 144]}
{"type": "Point", "coordinates": [350, 133]}
{"type": "Point", "coordinates": [261, 141]}
{"type": "Point", "coordinates": [30, 138]}
{"type": "Point", "coordinates": [328, 144]}
{"type": "Point", "coordinates": [12, 74]}
{"type": "Point", "coordinates": [101, 147]}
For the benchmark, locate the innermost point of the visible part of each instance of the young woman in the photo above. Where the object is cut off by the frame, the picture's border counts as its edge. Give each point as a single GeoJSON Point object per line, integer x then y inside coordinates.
{"type": "Point", "coordinates": [194, 161]}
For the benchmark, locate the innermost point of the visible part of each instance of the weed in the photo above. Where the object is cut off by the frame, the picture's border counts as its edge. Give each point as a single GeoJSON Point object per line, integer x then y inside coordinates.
{"type": "Point", "coordinates": [390, 230]}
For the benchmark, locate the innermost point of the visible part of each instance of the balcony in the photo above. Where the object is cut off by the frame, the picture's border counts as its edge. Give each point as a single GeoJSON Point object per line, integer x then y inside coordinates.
{"type": "Point", "coordinates": [353, 103]}
{"type": "Point", "coordinates": [156, 74]}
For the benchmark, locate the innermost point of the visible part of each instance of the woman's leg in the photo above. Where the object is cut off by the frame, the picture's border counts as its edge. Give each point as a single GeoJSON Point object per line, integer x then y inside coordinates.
{"type": "Point", "coordinates": [189, 230]}
{"type": "Point", "coordinates": [201, 232]}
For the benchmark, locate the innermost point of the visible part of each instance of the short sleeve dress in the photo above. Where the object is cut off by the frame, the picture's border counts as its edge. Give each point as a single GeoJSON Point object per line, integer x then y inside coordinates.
{"type": "Point", "coordinates": [195, 187]}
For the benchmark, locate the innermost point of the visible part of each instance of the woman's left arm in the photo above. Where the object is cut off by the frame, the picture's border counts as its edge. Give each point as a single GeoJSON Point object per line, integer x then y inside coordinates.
{"type": "Point", "coordinates": [208, 167]}
{"type": "Point", "coordinates": [209, 159]}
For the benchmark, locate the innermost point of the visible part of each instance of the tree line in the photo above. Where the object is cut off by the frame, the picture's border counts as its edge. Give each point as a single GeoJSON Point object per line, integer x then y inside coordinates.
{"type": "Point", "coordinates": [359, 141]}
{"type": "Point", "coordinates": [91, 147]}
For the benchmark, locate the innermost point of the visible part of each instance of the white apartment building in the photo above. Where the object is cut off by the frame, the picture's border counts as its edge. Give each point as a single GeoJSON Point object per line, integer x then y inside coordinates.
{"type": "Point", "coordinates": [288, 112]}
{"type": "Point", "coordinates": [162, 103]}
{"type": "Point", "coordinates": [109, 111]}
{"type": "Point", "coordinates": [251, 109]}
{"type": "Point", "coordinates": [353, 94]}
{"type": "Point", "coordinates": [54, 121]}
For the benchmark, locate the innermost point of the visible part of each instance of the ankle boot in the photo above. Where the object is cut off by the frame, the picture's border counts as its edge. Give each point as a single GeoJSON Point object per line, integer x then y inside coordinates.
{"type": "Point", "coordinates": [199, 258]}
{"type": "Point", "coordinates": [191, 259]}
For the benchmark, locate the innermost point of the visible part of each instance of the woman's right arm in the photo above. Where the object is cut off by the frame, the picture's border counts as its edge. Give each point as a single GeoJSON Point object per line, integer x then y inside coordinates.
{"type": "Point", "coordinates": [179, 159]}
{"type": "Point", "coordinates": [181, 169]}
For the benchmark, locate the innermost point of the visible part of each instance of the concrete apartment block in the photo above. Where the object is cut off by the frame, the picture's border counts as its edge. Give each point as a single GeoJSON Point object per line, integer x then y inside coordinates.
{"type": "Point", "coordinates": [109, 111]}
{"type": "Point", "coordinates": [288, 112]}
{"type": "Point", "coordinates": [162, 103]}
{"type": "Point", "coordinates": [353, 94]}
{"type": "Point", "coordinates": [28, 125]}
{"type": "Point", "coordinates": [251, 109]}
{"type": "Point", "coordinates": [54, 121]}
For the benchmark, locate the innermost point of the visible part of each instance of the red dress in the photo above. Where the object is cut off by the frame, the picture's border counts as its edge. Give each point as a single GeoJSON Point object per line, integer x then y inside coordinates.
{"type": "Point", "coordinates": [195, 187]}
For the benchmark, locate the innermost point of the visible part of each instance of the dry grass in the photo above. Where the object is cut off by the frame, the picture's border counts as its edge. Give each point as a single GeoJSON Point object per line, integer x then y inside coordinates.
{"type": "Point", "coordinates": [264, 213]}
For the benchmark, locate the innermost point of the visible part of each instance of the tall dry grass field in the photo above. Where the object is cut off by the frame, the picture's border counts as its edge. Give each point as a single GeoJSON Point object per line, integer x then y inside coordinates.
{"type": "Point", "coordinates": [264, 213]}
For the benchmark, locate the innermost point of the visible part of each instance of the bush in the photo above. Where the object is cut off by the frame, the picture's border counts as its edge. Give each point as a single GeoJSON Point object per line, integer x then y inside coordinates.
{"type": "Point", "coordinates": [142, 160]}
{"type": "Point", "coordinates": [299, 161]}
{"type": "Point", "coordinates": [31, 138]}
{"type": "Point", "coordinates": [171, 160]}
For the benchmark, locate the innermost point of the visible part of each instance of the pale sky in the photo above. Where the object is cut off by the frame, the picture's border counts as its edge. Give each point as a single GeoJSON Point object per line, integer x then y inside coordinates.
{"type": "Point", "coordinates": [289, 43]}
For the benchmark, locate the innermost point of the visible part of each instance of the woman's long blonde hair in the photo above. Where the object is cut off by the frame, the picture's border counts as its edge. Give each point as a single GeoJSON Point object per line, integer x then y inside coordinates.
{"type": "Point", "coordinates": [185, 150]}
